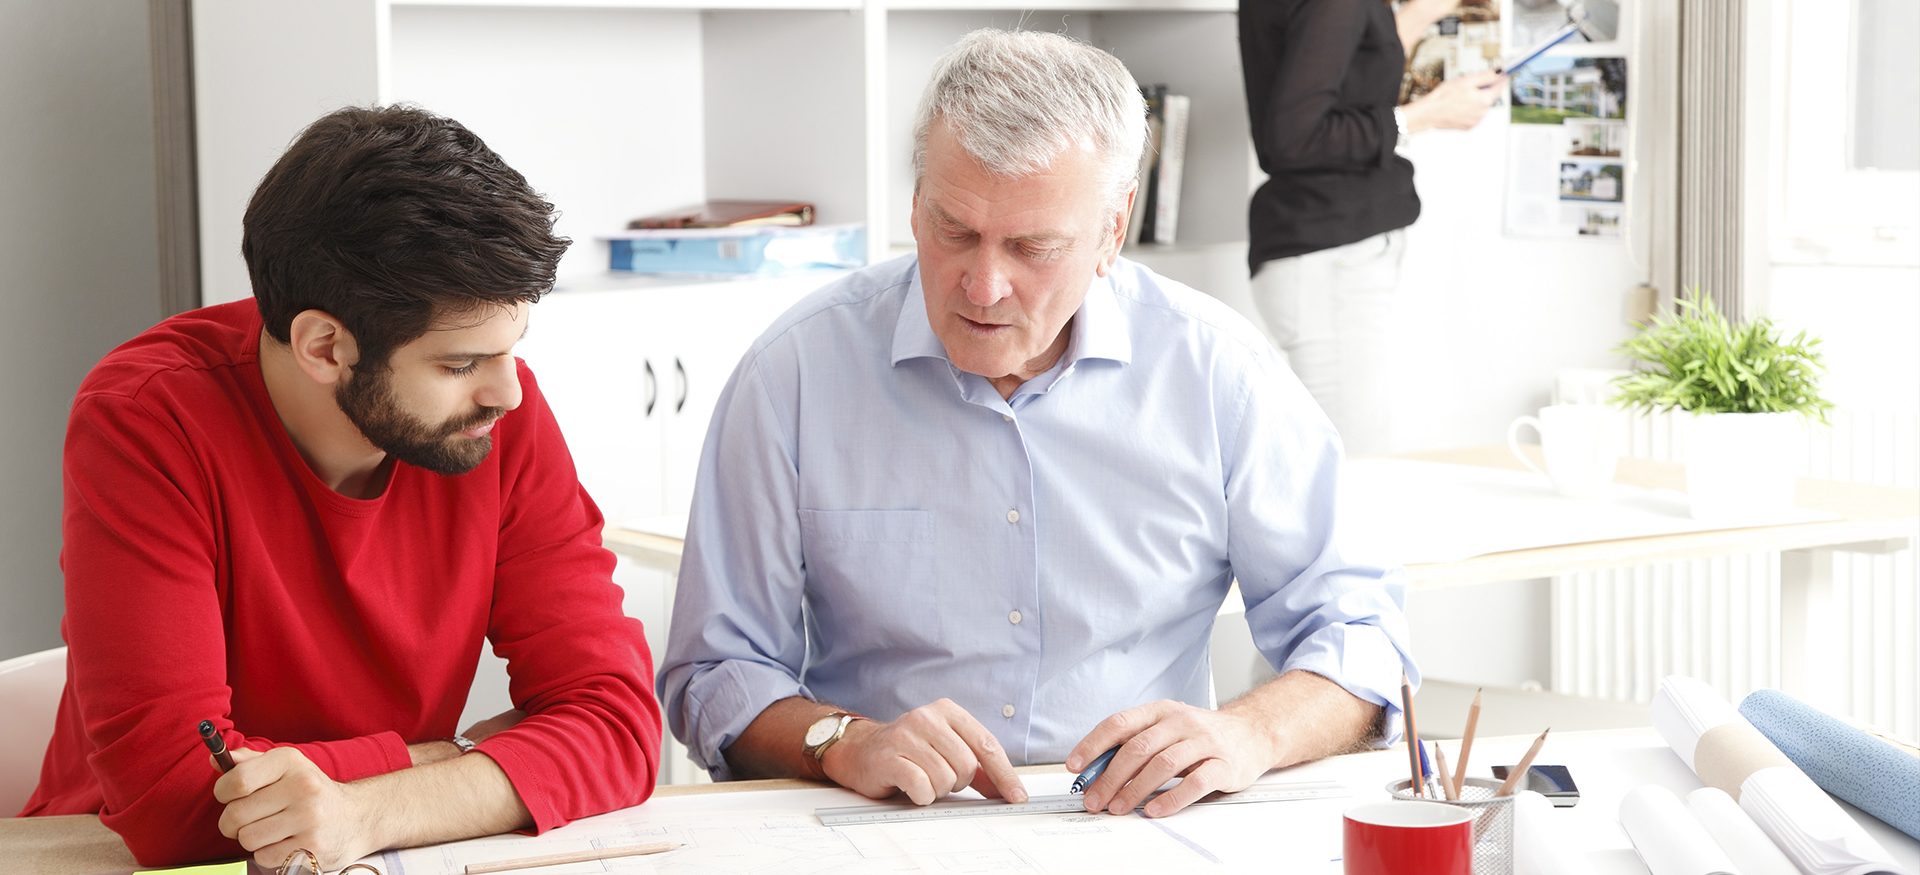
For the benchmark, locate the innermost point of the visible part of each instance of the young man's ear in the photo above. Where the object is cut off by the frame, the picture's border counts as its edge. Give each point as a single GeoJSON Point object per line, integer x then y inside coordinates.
{"type": "Point", "coordinates": [322, 347]}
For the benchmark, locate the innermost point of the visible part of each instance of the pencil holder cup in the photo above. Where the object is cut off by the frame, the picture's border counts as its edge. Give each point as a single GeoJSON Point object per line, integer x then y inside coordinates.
{"type": "Point", "coordinates": [1492, 821]}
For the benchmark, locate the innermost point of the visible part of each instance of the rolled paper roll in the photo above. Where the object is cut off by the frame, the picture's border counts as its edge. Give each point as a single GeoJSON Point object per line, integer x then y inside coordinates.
{"type": "Point", "coordinates": [1876, 777]}
{"type": "Point", "coordinates": [1540, 846]}
{"type": "Point", "coordinates": [1749, 848]}
{"type": "Point", "coordinates": [1728, 753]}
{"type": "Point", "coordinates": [1668, 838]}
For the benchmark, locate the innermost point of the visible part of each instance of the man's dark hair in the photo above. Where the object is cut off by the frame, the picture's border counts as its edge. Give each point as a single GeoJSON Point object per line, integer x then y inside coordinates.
{"type": "Point", "coordinates": [389, 217]}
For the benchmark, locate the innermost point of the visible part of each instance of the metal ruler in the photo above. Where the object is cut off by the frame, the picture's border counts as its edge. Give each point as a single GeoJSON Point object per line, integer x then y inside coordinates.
{"type": "Point", "coordinates": [1067, 804]}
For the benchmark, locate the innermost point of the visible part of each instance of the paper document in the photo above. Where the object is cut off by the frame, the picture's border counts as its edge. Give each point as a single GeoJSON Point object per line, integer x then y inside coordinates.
{"type": "Point", "coordinates": [762, 832]}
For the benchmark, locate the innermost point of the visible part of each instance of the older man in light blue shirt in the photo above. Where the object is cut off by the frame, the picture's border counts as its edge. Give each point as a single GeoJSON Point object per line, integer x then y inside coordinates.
{"type": "Point", "coordinates": [980, 505]}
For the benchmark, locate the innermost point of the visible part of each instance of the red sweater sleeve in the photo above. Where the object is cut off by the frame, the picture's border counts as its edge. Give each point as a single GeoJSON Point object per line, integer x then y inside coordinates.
{"type": "Point", "coordinates": [148, 651]}
{"type": "Point", "coordinates": [577, 665]}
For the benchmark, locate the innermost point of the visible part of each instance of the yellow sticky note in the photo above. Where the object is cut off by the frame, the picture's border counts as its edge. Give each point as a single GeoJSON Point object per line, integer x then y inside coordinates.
{"type": "Point", "coordinates": [235, 868]}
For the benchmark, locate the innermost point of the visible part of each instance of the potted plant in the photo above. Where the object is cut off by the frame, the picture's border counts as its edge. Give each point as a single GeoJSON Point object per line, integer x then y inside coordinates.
{"type": "Point", "coordinates": [1750, 393]}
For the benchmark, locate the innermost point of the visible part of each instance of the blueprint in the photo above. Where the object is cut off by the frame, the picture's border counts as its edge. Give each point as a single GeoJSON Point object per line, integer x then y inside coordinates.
{"type": "Point", "coordinates": [775, 833]}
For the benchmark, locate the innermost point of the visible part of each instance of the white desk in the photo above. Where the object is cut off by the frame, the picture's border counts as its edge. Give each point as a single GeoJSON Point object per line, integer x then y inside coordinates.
{"type": "Point", "coordinates": [1302, 837]}
{"type": "Point", "coordinates": [1291, 836]}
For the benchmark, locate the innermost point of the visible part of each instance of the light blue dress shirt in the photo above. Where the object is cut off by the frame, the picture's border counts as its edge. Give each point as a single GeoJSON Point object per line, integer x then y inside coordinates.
{"type": "Point", "coordinates": [876, 529]}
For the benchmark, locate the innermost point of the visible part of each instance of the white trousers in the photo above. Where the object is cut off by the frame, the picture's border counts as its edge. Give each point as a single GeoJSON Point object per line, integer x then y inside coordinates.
{"type": "Point", "coordinates": [1332, 313]}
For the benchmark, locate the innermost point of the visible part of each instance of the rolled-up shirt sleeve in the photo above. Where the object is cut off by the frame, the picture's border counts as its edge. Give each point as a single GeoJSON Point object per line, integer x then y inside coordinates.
{"type": "Point", "coordinates": [738, 641]}
{"type": "Point", "coordinates": [1311, 605]}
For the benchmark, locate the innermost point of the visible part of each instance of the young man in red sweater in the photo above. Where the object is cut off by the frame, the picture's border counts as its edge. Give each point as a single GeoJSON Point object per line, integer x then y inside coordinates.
{"type": "Point", "coordinates": [302, 516]}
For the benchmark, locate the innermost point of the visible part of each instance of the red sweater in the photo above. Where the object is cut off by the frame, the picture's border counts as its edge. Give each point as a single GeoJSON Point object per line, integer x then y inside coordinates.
{"type": "Point", "coordinates": [210, 574]}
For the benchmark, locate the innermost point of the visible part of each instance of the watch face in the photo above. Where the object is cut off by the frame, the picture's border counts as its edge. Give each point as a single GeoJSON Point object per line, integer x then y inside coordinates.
{"type": "Point", "coordinates": [821, 730]}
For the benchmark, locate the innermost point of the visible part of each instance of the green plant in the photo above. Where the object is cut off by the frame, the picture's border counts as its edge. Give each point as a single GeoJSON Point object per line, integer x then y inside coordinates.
{"type": "Point", "coordinates": [1694, 359]}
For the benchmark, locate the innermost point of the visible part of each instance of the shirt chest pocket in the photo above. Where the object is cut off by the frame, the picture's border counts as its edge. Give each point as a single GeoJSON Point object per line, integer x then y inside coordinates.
{"type": "Point", "coordinates": [865, 568]}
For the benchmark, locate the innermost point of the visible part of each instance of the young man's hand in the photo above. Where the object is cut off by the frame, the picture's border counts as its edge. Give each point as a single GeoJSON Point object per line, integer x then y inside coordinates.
{"type": "Point", "coordinates": [278, 801]}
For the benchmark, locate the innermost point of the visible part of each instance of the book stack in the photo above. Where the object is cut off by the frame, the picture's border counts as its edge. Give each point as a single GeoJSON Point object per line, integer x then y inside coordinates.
{"type": "Point", "coordinates": [1156, 204]}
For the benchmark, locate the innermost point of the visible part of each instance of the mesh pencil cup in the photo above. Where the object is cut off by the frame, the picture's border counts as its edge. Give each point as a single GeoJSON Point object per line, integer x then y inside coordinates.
{"type": "Point", "coordinates": [1492, 821]}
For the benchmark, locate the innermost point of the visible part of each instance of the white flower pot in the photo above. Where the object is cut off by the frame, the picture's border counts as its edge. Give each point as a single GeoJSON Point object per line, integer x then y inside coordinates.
{"type": "Point", "coordinates": [1742, 465]}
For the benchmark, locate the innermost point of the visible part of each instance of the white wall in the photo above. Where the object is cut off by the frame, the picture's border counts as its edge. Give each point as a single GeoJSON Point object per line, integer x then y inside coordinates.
{"type": "Point", "coordinates": [242, 49]}
{"type": "Point", "coordinates": [1868, 322]}
{"type": "Point", "coordinates": [78, 239]}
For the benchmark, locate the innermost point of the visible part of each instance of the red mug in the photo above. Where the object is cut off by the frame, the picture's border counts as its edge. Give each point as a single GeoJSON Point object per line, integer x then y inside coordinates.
{"type": "Point", "coordinates": [1408, 838]}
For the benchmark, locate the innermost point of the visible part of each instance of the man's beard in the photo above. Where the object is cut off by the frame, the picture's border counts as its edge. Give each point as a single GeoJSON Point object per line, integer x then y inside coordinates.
{"type": "Point", "coordinates": [368, 400]}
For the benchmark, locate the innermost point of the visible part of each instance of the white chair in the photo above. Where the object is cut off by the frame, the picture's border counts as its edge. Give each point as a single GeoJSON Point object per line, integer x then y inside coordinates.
{"type": "Point", "coordinates": [29, 695]}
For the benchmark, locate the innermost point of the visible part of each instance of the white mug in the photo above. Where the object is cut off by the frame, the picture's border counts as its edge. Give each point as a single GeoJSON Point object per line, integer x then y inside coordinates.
{"type": "Point", "coordinates": [1579, 442]}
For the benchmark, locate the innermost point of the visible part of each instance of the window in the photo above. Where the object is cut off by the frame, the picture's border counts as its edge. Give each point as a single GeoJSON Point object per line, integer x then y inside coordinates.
{"type": "Point", "coordinates": [1846, 119]}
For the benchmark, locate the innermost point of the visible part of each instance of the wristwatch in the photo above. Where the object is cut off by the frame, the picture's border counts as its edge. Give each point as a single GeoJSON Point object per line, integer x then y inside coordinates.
{"type": "Point", "coordinates": [826, 731]}
{"type": "Point", "coordinates": [464, 743]}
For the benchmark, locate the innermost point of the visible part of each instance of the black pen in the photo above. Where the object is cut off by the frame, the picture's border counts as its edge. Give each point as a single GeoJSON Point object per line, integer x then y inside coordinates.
{"type": "Point", "coordinates": [217, 745]}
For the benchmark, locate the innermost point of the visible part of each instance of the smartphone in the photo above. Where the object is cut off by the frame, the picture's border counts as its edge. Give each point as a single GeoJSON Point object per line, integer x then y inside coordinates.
{"type": "Point", "coordinates": [1553, 782]}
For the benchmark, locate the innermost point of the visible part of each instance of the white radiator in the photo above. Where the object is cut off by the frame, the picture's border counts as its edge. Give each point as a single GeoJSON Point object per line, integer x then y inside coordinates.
{"type": "Point", "coordinates": [1617, 632]}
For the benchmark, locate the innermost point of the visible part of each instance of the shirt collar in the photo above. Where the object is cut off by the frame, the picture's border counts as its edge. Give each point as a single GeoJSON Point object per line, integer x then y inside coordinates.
{"type": "Point", "coordinates": [1099, 328]}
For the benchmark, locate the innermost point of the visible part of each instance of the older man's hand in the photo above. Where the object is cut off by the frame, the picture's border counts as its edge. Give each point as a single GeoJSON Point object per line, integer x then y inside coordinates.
{"type": "Point", "coordinates": [928, 753]}
{"type": "Point", "coordinates": [1208, 750]}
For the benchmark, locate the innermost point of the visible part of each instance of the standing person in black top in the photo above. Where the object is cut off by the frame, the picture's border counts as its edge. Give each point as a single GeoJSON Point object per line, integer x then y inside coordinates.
{"type": "Point", "coordinates": [1325, 230]}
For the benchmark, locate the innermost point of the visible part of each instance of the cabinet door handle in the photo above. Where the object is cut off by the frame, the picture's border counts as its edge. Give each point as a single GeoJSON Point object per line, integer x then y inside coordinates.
{"type": "Point", "coordinates": [680, 370]}
{"type": "Point", "coordinates": [653, 387]}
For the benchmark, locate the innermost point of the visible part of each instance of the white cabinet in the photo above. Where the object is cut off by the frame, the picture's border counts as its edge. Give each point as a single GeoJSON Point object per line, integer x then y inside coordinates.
{"type": "Point", "coordinates": [632, 368]}
{"type": "Point", "coordinates": [613, 109]}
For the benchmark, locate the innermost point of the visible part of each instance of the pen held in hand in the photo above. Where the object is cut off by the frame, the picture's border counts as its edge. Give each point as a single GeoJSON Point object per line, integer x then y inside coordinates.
{"type": "Point", "coordinates": [1099, 765]}
{"type": "Point", "coordinates": [216, 745]}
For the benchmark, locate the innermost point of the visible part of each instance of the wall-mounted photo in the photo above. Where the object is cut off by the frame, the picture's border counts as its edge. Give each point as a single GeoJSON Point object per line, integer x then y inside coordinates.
{"type": "Point", "coordinates": [1592, 181]}
{"type": "Point", "coordinates": [1551, 90]}
{"type": "Point", "coordinates": [1591, 138]}
{"type": "Point", "coordinates": [1591, 221]}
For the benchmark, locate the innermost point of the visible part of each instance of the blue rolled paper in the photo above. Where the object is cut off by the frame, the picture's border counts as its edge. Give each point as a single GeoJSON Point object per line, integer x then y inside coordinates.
{"type": "Point", "coordinates": [1875, 776]}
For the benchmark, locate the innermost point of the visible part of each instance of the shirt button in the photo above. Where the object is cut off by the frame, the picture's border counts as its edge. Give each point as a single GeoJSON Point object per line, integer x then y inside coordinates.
{"type": "Point", "coordinates": [1013, 516]}
{"type": "Point", "coordinates": [1006, 711]}
{"type": "Point", "coordinates": [1014, 618]}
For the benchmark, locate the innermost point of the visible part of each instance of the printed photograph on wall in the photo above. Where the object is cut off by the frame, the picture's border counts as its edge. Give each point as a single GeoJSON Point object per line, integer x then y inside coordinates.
{"type": "Point", "coordinates": [1554, 89]}
{"type": "Point", "coordinates": [1592, 138]}
{"type": "Point", "coordinates": [1592, 181]}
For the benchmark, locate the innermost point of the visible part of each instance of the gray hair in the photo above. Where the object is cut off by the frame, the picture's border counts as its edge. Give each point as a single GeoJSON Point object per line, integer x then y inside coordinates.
{"type": "Point", "coordinates": [1015, 100]}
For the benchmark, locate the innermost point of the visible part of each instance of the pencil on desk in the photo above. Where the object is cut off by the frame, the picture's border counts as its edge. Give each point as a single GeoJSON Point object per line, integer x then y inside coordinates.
{"type": "Point", "coordinates": [1526, 762]}
{"type": "Point", "coordinates": [1466, 744]}
{"type": "Point", "coordinates": [1413, 735]}
{"type": "Point", "coordinates": [1440, 769]}
{"type": "Point", "coordinates": [573, 857]}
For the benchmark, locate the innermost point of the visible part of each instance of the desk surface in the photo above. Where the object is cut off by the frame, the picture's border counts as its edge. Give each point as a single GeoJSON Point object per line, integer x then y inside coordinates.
{"type": "Point", "coordinates": [1863, 515]}
{"type": "Point", "coordinates": [1605, 764]}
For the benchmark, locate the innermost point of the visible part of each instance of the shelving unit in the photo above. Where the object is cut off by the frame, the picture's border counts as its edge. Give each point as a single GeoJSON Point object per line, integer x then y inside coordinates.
{"type": "Point", "coordinates": [614, 109]}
